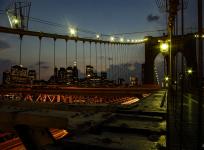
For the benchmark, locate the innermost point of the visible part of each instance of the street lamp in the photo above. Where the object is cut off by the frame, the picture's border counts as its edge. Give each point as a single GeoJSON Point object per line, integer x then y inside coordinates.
{"type": "Point", "coordinates": [121, 39]}
{"type": "Point", "coordinates": [72, 31]}
{"type": "Point", "coordinates": [15, 21]}
{"type": "Point", "coordinates": [164, 47]}
{"type": "Point", "coordinates": [112, 38]}
{"type": "Point", "coordinates": [166, 78]}
{"type": "Point", "coordinates": [189, 71]}
{"type": "Point", "coordinates": [97, 36]}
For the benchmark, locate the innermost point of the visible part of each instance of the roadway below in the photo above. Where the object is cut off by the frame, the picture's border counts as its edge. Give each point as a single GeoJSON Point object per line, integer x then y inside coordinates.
{"type": "Point", "coordinates": [81, 91]}
{"type": "Point", "coordinates": [16, 143]}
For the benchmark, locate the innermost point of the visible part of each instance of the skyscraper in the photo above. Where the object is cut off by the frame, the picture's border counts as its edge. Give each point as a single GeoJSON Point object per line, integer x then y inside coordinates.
{"type": "Point", "coordinates": [89, 72]}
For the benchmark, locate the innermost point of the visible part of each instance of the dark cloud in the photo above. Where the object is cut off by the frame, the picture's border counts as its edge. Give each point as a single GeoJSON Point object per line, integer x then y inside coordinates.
{"type": "Point", "coordinates": [5, 62]}
{"type": "Point", "coordinates": [4, 45]}
{"type": "Point", "coordinates": [43, 65]}
{"type": "Point", "coordinates": [101, 57]}
{"type": "Point", "coordinates": [110, 58]}
{"type": "Point", "coordinates": [152, 18]}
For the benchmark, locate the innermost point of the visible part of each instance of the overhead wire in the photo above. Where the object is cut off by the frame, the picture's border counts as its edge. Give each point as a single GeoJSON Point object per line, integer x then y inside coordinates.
{"type": "Point", "coordinates": [50, 23]}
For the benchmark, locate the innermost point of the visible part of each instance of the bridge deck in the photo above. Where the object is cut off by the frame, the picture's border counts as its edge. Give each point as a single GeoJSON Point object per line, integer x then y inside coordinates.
{"type": "Point", "coordinates": [116, 128]}
{"type": "Point", "coordinates": [130, 128]}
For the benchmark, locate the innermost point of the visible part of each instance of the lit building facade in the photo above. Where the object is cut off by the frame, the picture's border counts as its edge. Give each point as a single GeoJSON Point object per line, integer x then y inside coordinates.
{"type": "Point", "coordinates": [89, 72]}
{"type": "Point", "coordinates": [19, 75]}
{"type": "Point", "coordinates": [32, 75]}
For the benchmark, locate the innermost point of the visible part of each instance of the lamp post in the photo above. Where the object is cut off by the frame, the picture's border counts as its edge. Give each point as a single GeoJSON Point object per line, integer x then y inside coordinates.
{"type": "Point", "coordinates": [164, 49]}
{"type": "Point", "coordinates": [189, 73]}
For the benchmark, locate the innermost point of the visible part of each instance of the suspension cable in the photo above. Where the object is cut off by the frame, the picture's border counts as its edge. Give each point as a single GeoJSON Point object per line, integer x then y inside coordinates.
{"type": "Point", "coordinates": [127, 67]}
{"type": "Point", "coordinates": [40, 40]}
{"type": "Point", "coordinates": [84, 64]}
{"type": "Point", "coordinates": [116, 75]}
{"type": "Point", "coordinates": [54, 51]}
{"type": "Point", "coordinates": [76, 52]}
{"type": "Point", "coordinates": [117, 63]}
{"type": "Point", "coordinates": [96, 59]}
{"type": "Point", "coordinates": [120, 61]}
{"type": "Point", "coordinates": [90, 53]}
{"type": "Point", "coordinates": [101, 56]}
{"type": "Point", "coordinates": [108, 70]}
{"type": "Point", "coordinates": [66, 52]}
{"type": "Point", "coordinates": [21, 39]}
{"type": "Point", "coordinates": [123, 62]}
{"type": "Point", "coordinates": [105, 47]}
{"type": "Point", "coordinates": [111, 61]}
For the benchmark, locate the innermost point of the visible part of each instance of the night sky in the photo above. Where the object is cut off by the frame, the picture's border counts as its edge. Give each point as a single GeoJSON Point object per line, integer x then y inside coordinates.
{"type": "Point", "coordinates": [101, 16]}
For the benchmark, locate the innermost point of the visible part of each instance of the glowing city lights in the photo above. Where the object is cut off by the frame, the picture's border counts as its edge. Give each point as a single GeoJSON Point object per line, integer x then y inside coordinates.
{"type": "Point", "coordinates": [197, 36]}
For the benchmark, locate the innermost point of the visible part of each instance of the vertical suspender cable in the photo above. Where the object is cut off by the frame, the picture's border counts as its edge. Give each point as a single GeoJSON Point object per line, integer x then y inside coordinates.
{"type": "Point", "coordinates": [128, 51]}
{"type": "Point", "coordinates": [96, 59]}
{"type": "Point", "coordinates": [111, 68]}
{"type": "Point", "coordinates": [21, 38]}
{"type": "Point", "coordinates": [76, 52]}
{"type": "Point", "coordinates": [84, 64]}
{"type": "Point", "coordinates": [39, 57]}
{"type": "Point", "coordinates": [55, 78]}
{"type": "Point", "coordinates": [122, 57]}
{"type": "Point", "coordinates": [124, 61]}
{"type": "Point", "coordinates": [108, 61]}
{"type": "Point", "coordinates": [54, 52]}
{"type": "Point", "coordinates": [116, 62]}
{"type": "Point", "coordinates": [105, 46]}
{"type": "Point", "coordinates": [120, 61]}
{"type": "Point", "coordinates": [90, 54]}
{"type": "Point", "coordinates": [101, 56]}
{"type": "Point", "coordinates": [118, 51]}
{"type": "Point", "coordinates": [66, 52]}
{"type": "Point", "coordinates": [115, 68]}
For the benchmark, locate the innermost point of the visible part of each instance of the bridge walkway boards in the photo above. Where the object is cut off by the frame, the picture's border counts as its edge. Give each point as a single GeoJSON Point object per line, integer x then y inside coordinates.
{"type": "Point", "coordinates": [141, 126]}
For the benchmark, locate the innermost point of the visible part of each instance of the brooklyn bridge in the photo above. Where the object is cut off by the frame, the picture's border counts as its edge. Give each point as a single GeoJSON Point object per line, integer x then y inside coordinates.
{"type": "Point", "coordinates": [66, 87]}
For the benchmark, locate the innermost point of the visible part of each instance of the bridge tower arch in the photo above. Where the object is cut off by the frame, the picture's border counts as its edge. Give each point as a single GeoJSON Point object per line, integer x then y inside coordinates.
{"type": "Point", "coordinates": [186, 45]}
